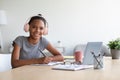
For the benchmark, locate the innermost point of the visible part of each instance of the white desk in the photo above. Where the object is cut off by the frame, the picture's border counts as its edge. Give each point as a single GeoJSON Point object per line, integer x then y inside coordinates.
{"type": "Point", "coordinates": [111, 71]}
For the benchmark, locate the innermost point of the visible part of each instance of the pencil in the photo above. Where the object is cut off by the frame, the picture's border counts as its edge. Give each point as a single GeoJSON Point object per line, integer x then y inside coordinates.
{"type": "Point", "coordinates": [42, 52]}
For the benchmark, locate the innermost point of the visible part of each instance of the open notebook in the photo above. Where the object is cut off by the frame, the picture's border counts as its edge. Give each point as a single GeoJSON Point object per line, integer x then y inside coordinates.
{"type": "Point", "coordinates": [72, 67]}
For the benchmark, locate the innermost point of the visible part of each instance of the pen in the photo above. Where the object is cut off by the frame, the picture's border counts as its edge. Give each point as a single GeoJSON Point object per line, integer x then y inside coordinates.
{"type": "Point", "coordinates": [96, 58]}
{"type": "Point", "coordinates": [42, 52]}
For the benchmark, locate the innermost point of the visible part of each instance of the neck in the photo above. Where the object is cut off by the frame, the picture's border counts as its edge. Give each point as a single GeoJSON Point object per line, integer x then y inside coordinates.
{"type": "Point", "coordinates": [33, 41]}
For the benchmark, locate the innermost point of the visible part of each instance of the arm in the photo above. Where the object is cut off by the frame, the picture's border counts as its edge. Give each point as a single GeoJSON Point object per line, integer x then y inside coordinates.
{"type": "Point", "coordinates": [57, 55]}
{"type": "Point", "coordinates": [16, 62]}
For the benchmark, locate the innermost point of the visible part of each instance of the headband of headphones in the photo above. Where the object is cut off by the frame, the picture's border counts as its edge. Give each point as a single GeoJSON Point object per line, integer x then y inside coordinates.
{"type": "Point", "coordinates": [26, 25]}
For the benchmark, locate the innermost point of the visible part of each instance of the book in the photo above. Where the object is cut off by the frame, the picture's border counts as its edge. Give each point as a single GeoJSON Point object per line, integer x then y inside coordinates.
{"type": "Point", "coordinates": [71, 67]}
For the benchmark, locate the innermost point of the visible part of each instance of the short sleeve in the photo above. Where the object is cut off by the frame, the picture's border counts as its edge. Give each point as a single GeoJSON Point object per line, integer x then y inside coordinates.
{"type": "Point", "coordinates": [18, 41]}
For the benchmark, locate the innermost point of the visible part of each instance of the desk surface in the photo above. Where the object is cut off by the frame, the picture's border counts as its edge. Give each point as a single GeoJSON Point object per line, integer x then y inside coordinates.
{"type": "Point", "coordinates": [111, 71]}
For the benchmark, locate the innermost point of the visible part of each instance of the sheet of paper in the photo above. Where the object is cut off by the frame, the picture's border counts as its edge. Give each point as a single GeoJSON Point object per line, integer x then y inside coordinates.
{"type": "Point", "coordinates": [49, 64]}
{"type": "Point", "coordinates": [54, 63]}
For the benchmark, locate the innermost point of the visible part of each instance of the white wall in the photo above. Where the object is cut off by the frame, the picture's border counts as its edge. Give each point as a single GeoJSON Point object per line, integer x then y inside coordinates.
{"type": "Point", "coordinates": [71, 21]}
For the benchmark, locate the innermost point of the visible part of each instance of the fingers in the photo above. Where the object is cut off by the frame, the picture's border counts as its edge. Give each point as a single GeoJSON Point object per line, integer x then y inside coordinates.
{"type": "Point", "coordinates": [46, 60]}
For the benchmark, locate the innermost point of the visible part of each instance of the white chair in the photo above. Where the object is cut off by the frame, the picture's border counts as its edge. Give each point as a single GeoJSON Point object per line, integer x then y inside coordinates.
{"type": "Point", "coordinates": [5, 62]}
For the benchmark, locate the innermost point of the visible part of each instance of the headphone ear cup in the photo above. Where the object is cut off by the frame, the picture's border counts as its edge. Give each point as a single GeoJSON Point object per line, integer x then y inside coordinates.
{"type": "Point", "coordinates": [26, 27]}
{"type": "Point", "coordinates": [45, 31]}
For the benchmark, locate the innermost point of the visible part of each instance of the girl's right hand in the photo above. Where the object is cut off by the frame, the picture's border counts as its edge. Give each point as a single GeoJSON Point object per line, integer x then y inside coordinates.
{"type": "Point", "coordinates": [45, 60]}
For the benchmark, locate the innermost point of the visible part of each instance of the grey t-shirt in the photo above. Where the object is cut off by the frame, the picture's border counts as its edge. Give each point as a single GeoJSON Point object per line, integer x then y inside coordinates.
{"type": "Point", "coordinates": [29, 51]}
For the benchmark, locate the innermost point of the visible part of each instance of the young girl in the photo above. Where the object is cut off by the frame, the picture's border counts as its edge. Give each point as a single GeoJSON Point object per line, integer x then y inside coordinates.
{"type": "Point", "coordinates": [28, 50]}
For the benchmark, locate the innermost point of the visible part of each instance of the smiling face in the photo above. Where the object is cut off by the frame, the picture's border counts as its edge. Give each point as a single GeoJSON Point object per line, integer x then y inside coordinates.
{"type": "Point", "coordinates": [36, 29]}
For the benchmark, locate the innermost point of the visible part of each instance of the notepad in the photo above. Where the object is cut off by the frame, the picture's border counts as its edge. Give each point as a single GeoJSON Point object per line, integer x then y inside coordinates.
{"type": "Point", "coordinates": [72, 67]}
{"type": "Point", "coordinates": [54, 63]}
{"type": "Point", "coordinates": [49, 64]}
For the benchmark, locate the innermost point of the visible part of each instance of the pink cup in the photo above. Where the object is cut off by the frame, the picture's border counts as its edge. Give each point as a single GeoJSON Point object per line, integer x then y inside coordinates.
{"type": "Point", "coordinates": [78, 55]}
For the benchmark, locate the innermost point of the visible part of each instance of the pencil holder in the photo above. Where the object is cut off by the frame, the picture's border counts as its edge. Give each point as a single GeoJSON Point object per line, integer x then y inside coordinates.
{"type": "Point", "coordinates": [98, 62]}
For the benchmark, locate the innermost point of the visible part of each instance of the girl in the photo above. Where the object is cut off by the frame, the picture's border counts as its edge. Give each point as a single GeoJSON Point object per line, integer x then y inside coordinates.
{"type": "Point", "coordinates": [28, 50]}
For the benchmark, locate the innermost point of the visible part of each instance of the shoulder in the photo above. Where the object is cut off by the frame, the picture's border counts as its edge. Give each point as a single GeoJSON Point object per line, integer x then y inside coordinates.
{"type": "Point", "coordinates": [21, 37]}
{"type": "Point", "coordinates": [20, 40]}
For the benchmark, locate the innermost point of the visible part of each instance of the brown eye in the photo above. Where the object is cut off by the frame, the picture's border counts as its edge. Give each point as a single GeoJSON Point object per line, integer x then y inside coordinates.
{"type": "Point", "coordinates": [41, 28]}
{"type": "Point", "coordinates": [33, 26]}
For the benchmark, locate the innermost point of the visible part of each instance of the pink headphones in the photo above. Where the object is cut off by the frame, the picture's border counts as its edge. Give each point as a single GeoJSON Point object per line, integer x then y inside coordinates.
{"type": "Point", "coordinates": [26, 25]}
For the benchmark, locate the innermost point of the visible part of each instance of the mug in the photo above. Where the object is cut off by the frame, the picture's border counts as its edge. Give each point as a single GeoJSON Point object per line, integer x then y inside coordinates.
{"type": "Point", "coordinates": [78, 55]}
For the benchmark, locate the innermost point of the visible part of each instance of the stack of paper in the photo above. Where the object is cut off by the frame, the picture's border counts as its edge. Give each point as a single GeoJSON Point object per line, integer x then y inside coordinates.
{"type": "Point", "coordinates": [72, 67]}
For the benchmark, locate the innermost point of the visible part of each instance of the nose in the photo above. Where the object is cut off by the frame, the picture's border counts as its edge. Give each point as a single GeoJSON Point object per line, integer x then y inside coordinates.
{"type": "Point", "coordinates": [37, 29]}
